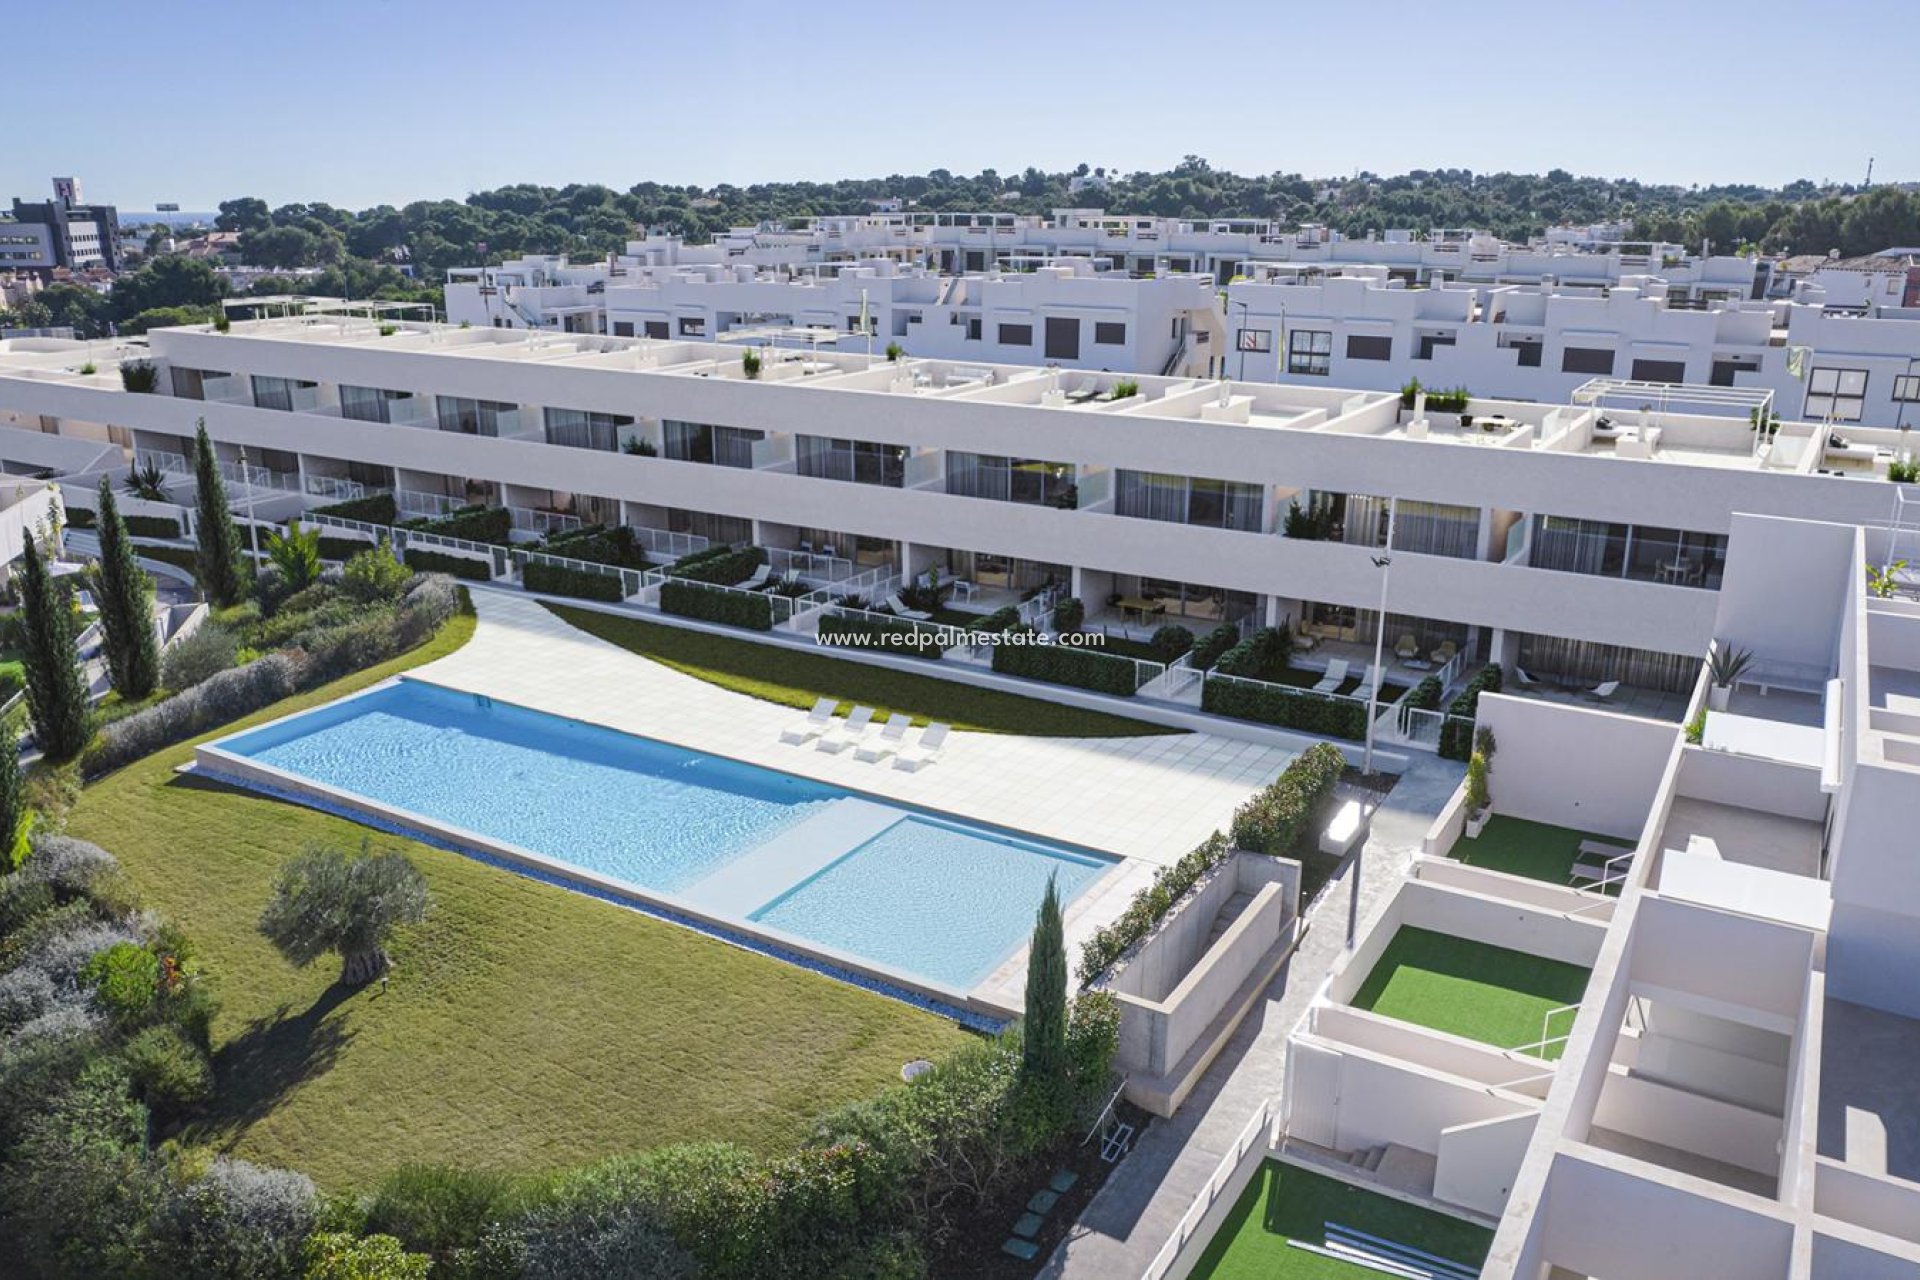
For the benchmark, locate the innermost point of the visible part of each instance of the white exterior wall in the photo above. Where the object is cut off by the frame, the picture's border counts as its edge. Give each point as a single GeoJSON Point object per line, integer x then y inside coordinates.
{"type": "Point", "coordinates": [1588, 769]}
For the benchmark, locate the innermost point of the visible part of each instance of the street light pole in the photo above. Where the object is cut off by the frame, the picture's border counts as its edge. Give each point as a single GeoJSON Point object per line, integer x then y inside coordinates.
{"type": "Point", "coordinates": [1385, 564]}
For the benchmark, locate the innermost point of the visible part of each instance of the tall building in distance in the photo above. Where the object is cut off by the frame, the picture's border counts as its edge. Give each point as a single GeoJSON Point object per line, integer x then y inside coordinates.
{"type": "Point", "coordinates": [62, 232]}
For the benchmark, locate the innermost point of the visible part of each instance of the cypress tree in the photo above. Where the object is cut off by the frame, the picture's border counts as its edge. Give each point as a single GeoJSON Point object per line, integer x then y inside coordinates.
{"type": "Point", "coordinates": [217, 542]}
{"type": "Point", "coordinates": [1043, 1043]}
{"type": "Point", "coordinates": [126, 606]}
{"type": "Point", "coordinates": [56, 690]}
{"type": "Point", "coordinates": [13, 798]}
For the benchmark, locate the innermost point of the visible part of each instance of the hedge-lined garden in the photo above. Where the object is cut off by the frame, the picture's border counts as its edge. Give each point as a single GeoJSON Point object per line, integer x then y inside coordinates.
{"type": "Point", "coordinates": [427, 560]}
{"type": "Point", "coordinates": [720, 565]}
{"type": "Point", "coordinates": [565, 580]}
{"type": "Point", "coordinates": [616, 546]}
{"type": "Point", "coordinates": [152, 526]}
{"type": "Point", "coordinates": [1285, 706]}
{"type": "Point", "coordinates": [1062, 664]}
{"type": "Point", "coordinates": [1276, 820]}
{"type": "Point", "coordinates": [887, 635]}
{"type": "Point", "coordinates": [1456, 731]}
{"type": "Point", "coordinates": [375, 508]}
{"type": "Point", "coordinates": [691, 599]}
{"type": "Point", "coordinates": [470, 524]}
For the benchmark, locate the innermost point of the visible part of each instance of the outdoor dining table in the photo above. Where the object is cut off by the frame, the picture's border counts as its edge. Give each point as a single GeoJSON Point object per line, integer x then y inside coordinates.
{"type": "Point", "coordinates": [1140, 605]}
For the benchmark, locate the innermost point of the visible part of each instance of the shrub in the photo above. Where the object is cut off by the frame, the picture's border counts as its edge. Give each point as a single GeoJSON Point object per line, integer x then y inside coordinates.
{"type": "Point", "coordinates": [471, 524]}
{"type": "Point", "coordinates": [437, 1209]}
{"type": "Point", "coordinates": [124, 979]}
{"type": "Point", "coordinates": [235, 1222]}
{"type": "Point", "coordinates": [169, 1072]}
{"type": "Point", "coordinates": [722, 566]}
{"type": "Point", "coordinates": [429, 561]}
{"type": "Point", "coordinates": [375, 508]}
{"type": "Point", "coordinates": [1069, 614]}
{"type": "Point", "coordinates": [615, 546]}
{"type": "Point", "coordinates": [1215, 643]}
{"type": "Point", "coordinates": [1099, 952]}
{"type": "Point", "coordinates": [152, 526]}
{"type": "Point", "coordinates": [335, 548]}
{"type": "Point", "coordinates": [1456, 731]}
{"type": "Point", "coordinates": [80, 517]}
{"type": "Point", "coordinates": [1060, 664]}
{"type": "Point", "coordinates": [587, 1238]}
{"type": "Point", "coordinates": [198, 657]}
{"type": "Point", "coordinates": [374, 574]}
{"type": "Point", "coordinates": [1169, 642]}
{"type": "Point", "coordinates": [137, 376]}
{"type": "Point", "coordinates": [1261, 655]}
{"type": "Point", "coordinates": [214, 701]}
{"type": "Point", "coordinates": [1286, 706]}
{"type": "Point", "coordinates": [338, 1255]}
{"type": "Point", "coordinates": [747, 609]}
{"type": "Point", "coordinates": [1279, 817]}
{"type": "Point", "coordinates": [565, 580]}
{"type": "Point", "coordinates": [1124, 388]}
{"type": "Point", "coordinates": [1478, 797]}
{"type": "Point", "coordinates": [887, 635]}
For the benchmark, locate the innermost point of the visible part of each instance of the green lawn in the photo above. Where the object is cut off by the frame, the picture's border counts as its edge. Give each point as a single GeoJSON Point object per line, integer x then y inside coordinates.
{"type": "Point", "coordinates": [1470, 989]}
{"type": "Point", "coordinates": [794, 678]}
{"type": "Point", "coordinates": [1532, 849]}
{"type": "Point", "coordinates": [1285, 1202]}
{"type": "Point", "coordinates": [526, 1026]}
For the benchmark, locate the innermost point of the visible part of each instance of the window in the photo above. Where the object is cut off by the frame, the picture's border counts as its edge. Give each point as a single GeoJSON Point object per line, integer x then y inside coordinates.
{"type": "Point", "coordinates": [581, 429]}
{"type": "Point", "coordinates": [1365, 348]}
{"type": "Point", "coordinates": [1030, 480]}
{"type": "Point", "coordinates": [1310, 351]}
{"type": "Point", "coordinates": [860, 461]}
{"type": "Point", "coordinates": [1586, 360]}
{"type": "Point", "coordinates": [1659, 371]}
{"type": "Point", "coordinates": [1256, 340]}
{"type": "Point", "coordinates": [623, 328]}
{"type": "Point", "coordinates": [1906, 387]}
{"type": "Point", "coordinates": [1425, 343]}
{"type": "Point", "coordinates": [475, 417]}
{"type": "Point", "coordinates": [1063, 338]}
{"type": "Point", "coordinates": [656, 329]}
{"type": "Point", "coordinates": [368, 404]}
{"type": "Point", "coordinates": [279, 393]}
{"type": "Point", "coordinates": [719, 446]}
{"type": "Point", "coordinates": [1840, 394]}
{"type": "Point", "coordinates": [1016, 335]}
{"type": "Point", "coordinates": [973, 329]}
{"type": "Point", "coordinates": [693, 326]}
{"type": "Point", "coordinates": [190, 384]}
{"type": "Point", "coordinates": [1109, 333]}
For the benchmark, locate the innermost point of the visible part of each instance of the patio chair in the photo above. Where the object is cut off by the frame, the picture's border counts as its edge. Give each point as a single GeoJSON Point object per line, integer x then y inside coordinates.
{"type": "Point", "coordinates": [760, 574]}
{"type": "Point", "coordinates": [933, 741]}
{"type": "Point", "coordinates": [1369, 684]}
{"type": "Point", "coordinates": [1444, 654]}
{"type": "Point", "coordinates": [1526, 681]}
{"type": "Point", "coordinates": [1604, 691]}
{"type": "Point", "coordinates": [1406, 646]}
{"type": "Point", "coordinates": [1335, 677]}
{"type": "Point", "coordinates": [815, 723]}
{"type": "Point", "coordinates": [900, 609]}
{"type": "Point", "coordinates": [848, 733]}
{"type": "Point", "coordinates": [891, 737]}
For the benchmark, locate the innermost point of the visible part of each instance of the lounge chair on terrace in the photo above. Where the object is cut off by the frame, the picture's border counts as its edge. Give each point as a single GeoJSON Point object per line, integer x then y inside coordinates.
{"type": "Point", "coordinates": [848, 733]}
{"type": "Point", "coordinates": [1444, 654]}
{"type": "Point", "coordinates": [815, 723]}
{"type": "Point", "coordinates": [1369, 684]}
{"type": "Point", "coordinates": [899, 608]}
{"type": "Point", "coordinates": [1604, 691]}
{"type": "Point", "coordinates": [889, 740]}
{"type": "Point", "coordinates": [1526, 681]}
{"type": "Point", "coordinates": [933, 741]}
{"type": "Point", "coordinates": [759, 576]}
{"type": "Point", "coordinates": [1406, 646]}
{"type": "Point", "coordinates": [1335, 677]}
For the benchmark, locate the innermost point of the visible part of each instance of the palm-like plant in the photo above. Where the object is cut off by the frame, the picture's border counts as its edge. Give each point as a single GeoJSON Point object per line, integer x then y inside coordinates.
{"type": "Point", "coordinates": [296, 553]}
{"type": "Point", "coordinates": [146, 480]}
{"type": "Point", "coordinates": [1728, 664]}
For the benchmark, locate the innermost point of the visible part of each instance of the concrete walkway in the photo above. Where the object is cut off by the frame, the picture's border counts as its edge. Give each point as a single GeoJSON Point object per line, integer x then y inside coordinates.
{"type": "Point", "coordinates": [1137, 1210]}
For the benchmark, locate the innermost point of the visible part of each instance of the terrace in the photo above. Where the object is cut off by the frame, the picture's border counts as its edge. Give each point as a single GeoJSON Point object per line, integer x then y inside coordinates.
{"type": "Point", "coordinates": [1494, 995]}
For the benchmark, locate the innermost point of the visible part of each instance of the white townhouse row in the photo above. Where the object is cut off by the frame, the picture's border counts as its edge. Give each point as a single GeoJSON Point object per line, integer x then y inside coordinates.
{"type": "Point", "coordinates": [1361, 327]}
{"type": "Point", "coordinates": [1582, 540]}
{"type": "Point", "coordinates": [1062, 313]}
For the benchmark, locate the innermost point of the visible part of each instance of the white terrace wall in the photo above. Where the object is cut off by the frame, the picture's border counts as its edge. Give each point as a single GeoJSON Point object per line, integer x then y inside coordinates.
{"type": "Point", "coordinates": [1574, 767]}
{"type": "Point", "coordinates": [1783, 586]}
{"type": "Point", "coordinates": [1477, 1162]}
{"type": "Point", "coordinates": [1748, 782]}
{"type": "Point", "coordinates": [1835, 1257]}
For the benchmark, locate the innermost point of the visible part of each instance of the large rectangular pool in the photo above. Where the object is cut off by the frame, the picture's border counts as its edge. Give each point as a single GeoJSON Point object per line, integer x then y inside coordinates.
{"type": "Point", "coordinates": [910, 894]}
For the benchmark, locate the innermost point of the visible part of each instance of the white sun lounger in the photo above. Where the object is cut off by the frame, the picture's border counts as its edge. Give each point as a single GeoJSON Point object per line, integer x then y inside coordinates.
{"type": "Point", "coordinates": [1369, 684]}
{"type": "Point", "coordinates": [891, 737]}
{"type": "Point", "coordinates": [815, 723]}
{"type": "Point", "coordinates": [1335, 677]}
{"type": "Point", "coordinates": [899, 607]}
{"type": "Point", "coordinates": [847, 733]}
{"type": "Point", "coordinates": [933, 740]}
{"type": "Point", "coordinates": [1604, 691]}
{"type": "Point", "coordinates": [759, 575]}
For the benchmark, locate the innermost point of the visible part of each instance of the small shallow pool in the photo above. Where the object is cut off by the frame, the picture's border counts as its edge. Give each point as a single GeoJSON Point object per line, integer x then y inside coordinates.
{"type": "Point", "coordinates": [932, 899]}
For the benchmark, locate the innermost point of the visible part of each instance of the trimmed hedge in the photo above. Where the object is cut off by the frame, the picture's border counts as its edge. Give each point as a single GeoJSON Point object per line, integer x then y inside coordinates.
{"type": "Point", "coordinates": [1286, 706]}
{"type": "Point", "coordinates": [1456, 732]}
{"type": "Point", "coordinates": [1273, 821]}
{"type": "Point", "coordinates": [80, 517]}
{"type": "Point", "coordinates": [1059, 664]}
{"type": "Point", "coordinates": [1068, 614]}
{"type": "Point", "coordinates": [687, 599]}
{"type": "Point", "coordinates": [375, 508]}
{"type": "Point", "coordinates": [1267, 650]}
{"type": "Point", "coordinates": [1169, 643]}
{"type": "Point", "coordinates": [721, 566]}
{"type": "Point", "coordinates": [616, 546]}
{"type": "Point", "coordinates": [1207, 652]}
{"type": "Point", "coordinates": [470, 524]}
{"type": "Point", "coordinates": [430, 561]}
{"type": "Point", "coordinates": [342, 548]}
{"type": "Point", "coordinates": [852, 631]}
{"type": "Point", "coordinates": [1425, 697]}
{"type": "Point", "coordinates": [563, 580]}
{"type": "Point", "coordinates": [152, 526]}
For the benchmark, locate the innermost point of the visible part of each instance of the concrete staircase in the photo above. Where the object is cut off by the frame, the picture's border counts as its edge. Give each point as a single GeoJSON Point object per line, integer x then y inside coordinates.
{"type": "Point", "coordinates": [1229, 912]}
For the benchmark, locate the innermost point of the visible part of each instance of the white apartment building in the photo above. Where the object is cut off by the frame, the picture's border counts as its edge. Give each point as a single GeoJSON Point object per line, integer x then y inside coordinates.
{"type": "Point", "coordinates": [1581, 540]}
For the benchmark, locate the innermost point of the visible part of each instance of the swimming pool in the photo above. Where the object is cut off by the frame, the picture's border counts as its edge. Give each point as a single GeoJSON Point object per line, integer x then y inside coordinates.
{"type": "Point", "coordinates": [909, 894]}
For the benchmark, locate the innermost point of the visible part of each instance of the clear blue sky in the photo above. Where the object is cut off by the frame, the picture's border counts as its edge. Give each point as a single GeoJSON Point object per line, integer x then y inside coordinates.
{"type": "Point", "coordinates": [357, 103]}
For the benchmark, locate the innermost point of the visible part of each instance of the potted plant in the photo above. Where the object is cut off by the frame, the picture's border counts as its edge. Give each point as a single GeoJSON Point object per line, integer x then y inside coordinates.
{"type": "Point", "coordinates": [750, 363]}
{"type": "Point", "coordinates": [1726, 665]}
{"type": "Point", "coordinates": [1479, 799]}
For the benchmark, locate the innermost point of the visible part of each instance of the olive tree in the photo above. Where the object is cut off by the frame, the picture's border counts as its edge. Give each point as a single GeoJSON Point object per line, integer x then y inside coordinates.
{"type": "Point", "coordinates": [328, 900]}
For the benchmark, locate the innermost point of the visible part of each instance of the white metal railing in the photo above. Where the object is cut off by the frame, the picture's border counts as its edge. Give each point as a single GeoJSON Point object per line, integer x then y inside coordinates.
{"type": "Point", "coordinates": [632, 581]}
{"type": "Point", "coordinates": [374, 531]}
{"type": "Point", "coordinates": [231, 472]}
{"type": "Point", "coordinates": [414, 503]}
{"type": "Point", "coordinates": [668, 544]}
{"type": "Point", "coordinates": [495, 554]}
{"type": "Point", "coordinates": [544, 521]}
{"type": "Point", "coordinates": [1180, 677]}
{"type": "Point", "coordinates": [809, 564]}
{"type": "Point", "coordinates": [339, 489]}
{"type": "Point", "coordinates": [1547, 1039]}
{"type": "Point", "coordinates": [1217, 1183]}
{"type": "Point", "coordinates": [1417, 726]}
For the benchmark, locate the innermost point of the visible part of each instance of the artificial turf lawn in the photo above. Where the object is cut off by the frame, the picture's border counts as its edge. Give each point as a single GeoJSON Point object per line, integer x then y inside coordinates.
{"type": "Point", "coordinates": [1285, 1202]}
{"type": "Point", "coordinates": [1532, 849]}
{"type": "Point", "coordinates": [1470, 989]}
{"type": "Point", "coordinates": [525, 1026]}
{"type": "Point", "coordinates": [795, 678]}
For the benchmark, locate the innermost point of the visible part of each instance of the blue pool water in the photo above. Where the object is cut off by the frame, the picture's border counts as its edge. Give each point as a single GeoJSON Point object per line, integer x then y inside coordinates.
{"type": "Point", "coordinates": [931, 897]}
